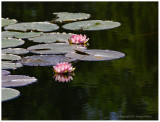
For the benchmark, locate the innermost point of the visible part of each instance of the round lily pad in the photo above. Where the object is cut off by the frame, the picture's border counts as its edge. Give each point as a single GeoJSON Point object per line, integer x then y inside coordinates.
{"type": "Point", "coordinates": [15, 51]}
{"type": "Point", "coordinates": [44, 60]}
{"type": "Point", "coordinates": [17, 80]}
{"type": "Point", "coordinates": [9, 34]}
{"type": "Point", "coordinates": [5, 72]}
{"type": "Point", "coordinates": [10, 57]}
{"type": "Point", "coordinates": [91, 25]}
{"type": "Point", "coordinates": [7, 65]}
{"type": "Point", "coordinates": [10, 42]}
{"type": "Point", "coordinates": [66, 16]}
{"type": "Point", "coordinates": [9, 94]}
{"type": "Point", "coordinates": [7, 21]}
{"type": "Point", "coordinates": [33, 26]}
{"type": "Point", "coordinates": [95, 55]}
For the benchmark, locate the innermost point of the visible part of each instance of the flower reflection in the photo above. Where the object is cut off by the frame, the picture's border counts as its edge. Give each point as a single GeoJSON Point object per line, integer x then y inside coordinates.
{"type": "Point", "coordinates": [63, 77]}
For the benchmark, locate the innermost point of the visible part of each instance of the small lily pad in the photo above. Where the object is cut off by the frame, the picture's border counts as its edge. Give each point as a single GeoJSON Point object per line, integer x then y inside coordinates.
{"type": "Point", "coordinates": [44, 60]}
{"type": "Point", "coordinates": [91, 25]}
{"type": "Point", "coordinates": [5, 72]}
{"type": "Point", "coordinates": [9, 42]}
{"type": "Point", "coordinates": [7, 65]}
{"type": "Point", "coordinates": [33, 26]}
{"type": "Point", "coordinates": [11, 34]}
{"type": "Point", "coordinates": [6, 21]}
{"type": "Point", "coordinates": [10, 57]}
{"type": "Point", "coordinates": [95, 55]}
{"type": "Point", "coordinates": [15, 51]}
{"type": "Point", "coordinates": [66, 16]}
{"type": "Point", "coordinates": [17, 80]}
{"type": "Point", "coordinates": [9, 94]}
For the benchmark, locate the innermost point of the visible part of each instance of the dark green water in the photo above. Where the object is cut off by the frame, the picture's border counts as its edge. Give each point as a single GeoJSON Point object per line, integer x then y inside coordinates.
{"type": "Point", "coordinates": [123, 89]}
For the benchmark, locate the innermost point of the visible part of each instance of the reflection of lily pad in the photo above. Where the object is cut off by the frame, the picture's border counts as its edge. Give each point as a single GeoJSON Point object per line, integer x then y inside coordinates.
{"type": "Point", "coordinates": [52, 38]}
{"type": "Point", "coordinates": [6, 21]}
{"type": "Point", "coordinates": [44, 60]}
{"type": "Point", "coordinates": [9, 93]}
{"type": "Point", "coordinates": [10, 57]}
{"type": "Point", "coordinates": [15, 51]}
{"type": "Point", "coordinates": [65, 16]}
{"type": "Point", "coordinates": [95, 55]}
{"type": "Point", "coordinates": [7, 65]}
{"type": "Point", "coordinates": [53, 48]}
{"type": "Point", "coordinates": [33, 26]}
{"type": "Point", "coordinates": [91, 25]}
{"type": "Point", "coordinates": [9, 34]}
{"type": "Point", "coordinates": [9, 42]}
{"type": "Point", "coordinates": [17, 80]}
{"type": "Point", "coordinates": [5, 72]}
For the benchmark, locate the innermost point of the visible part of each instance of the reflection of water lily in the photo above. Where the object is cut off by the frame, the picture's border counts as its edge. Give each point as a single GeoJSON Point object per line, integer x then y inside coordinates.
{"type": "Point", "coordinates": [63, 68]}
{"type": "Point", "coordinates": [63, 77]}
{"type": "Point", "coordinates": [78, 39]}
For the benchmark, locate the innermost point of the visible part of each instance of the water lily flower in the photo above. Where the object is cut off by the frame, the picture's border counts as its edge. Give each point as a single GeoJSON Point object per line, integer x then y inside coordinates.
{"type": "Point", "coordinates": [78, 39]}
{"type": "Point", "coordinates": [63, 78]}
{"type": "Point", "coordinates": [63, 67]}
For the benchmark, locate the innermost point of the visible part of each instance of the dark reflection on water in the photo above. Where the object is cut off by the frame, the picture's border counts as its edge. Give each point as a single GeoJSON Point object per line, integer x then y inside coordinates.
{"type": "Point", "coordinates": [126, 88]}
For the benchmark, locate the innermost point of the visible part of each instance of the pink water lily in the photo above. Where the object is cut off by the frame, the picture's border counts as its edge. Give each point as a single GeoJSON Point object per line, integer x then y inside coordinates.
{"type": "Point", "coordinates": [78, 39]}
{"type": "Point", "coordinates": [63, 78]}
{"type": "Point", "coordinates": [64, 67]}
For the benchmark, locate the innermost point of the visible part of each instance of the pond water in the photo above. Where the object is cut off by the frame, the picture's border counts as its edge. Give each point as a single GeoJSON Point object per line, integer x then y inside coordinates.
{"type": "Point", "coordinates": [122, 89]}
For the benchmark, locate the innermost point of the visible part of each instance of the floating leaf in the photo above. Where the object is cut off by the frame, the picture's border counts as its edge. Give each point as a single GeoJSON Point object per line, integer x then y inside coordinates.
{"type": "Point", "coordinates": [44, 60]}
{"type": "Point", "coordinates": [9, 94]}
{"type": "Point", "coordinates": [10, 57]}
{"type": "Point", "coordinates": [65, 16]}
{"type": "Point", "coordinates": [7, 65]}
{"type": "Point", "coordinates": [5, 72]}
{"type": "Point", "coordinates": [9, 34]}
{"type": "Point", "coordinates": [17, 80]}
{"type": "Point", "coordinates": [9, 42]}
{"type": "Point", "coordinates": [33, 26]}
{"type": "Point", "coordinates": [95, 55]}
{"type": "Point", "coordinates": [91, 25]}
{"type": "Point", "coordinates": [15, 51]}
{"type": "Point", "coordinates": [6, 21]}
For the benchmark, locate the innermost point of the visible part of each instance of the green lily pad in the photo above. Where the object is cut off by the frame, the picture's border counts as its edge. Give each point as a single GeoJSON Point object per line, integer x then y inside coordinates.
{"type": "Point", "coordinates": [10, 57]}
{"type": "Point", "coordinates": [91, 25]}
{"type": "Point", "coordinates": [8, 65]}
{"type": "Point", "coordinates": [66, 16]}
{"type": "Point", "coordinates": [9, 34]}
{"type": "Point", "coordinates": [5, 72]}
{"type": "Point", "coordinates": [95, 55]}
{"type": "Point", "coordinates": [6, 21]}
{"type": "Point", "coordinates": [9, 94]}
{"type": "Point", "coordinates": [9, 42]}
{"type": "Point", "coordinates": [33, 26]}
{"type": "Point", "coordinates": [15, 51]}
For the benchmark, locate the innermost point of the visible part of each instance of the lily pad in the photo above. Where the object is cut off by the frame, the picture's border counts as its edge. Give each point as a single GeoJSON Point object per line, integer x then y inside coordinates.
{"type": "Point", "coordinates": [53, 48]}
{"type": "Point", "coordinates": [5, 72]}
{"type": "Point", "coordinates": [95, 55]}
{"type": "Point", "coordinates": [7, 65]}
{"type": "Point", "coordinates": [17, 80]}
{"type": "Point", "coordinates": [10, 57]}
{"type": "Point", "coordinates": [91, 25]}
{"type": "Point", "coordinates": [66, 16]}
{"type": "Point", "coordinates": [9, 34]}
{"type": "Point", "coordinates": [15, 51]}
{"type": "Point", "coordinates": [6, 21]}
{"type": "Point", "coordinates": [9, 42]}
{"type": "Point", "coordinates": [9, 94]}
{"type": "Point", "coordinates": [33, 26]}
{"type": "Point", "coordinates": [44, 60]}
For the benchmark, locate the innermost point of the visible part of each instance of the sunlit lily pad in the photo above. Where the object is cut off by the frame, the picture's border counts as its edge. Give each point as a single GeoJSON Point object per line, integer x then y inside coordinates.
{"type": "Point", "coordinates": [9, 42]}
{"type": "Point", "coordinates": [95, 55]}
{"type": "Point", "coordinates": [44, 60]}
{"type": "Point", "coordinates": [10, 57]}
{"type": "Point", "coordinates": [66, 16]}
{"type": "Point", "coordinates": [17, 80]}
{"type": "Point", "coordinates": [6, 21]}
{"type": "Point", "coordinates": [8, 65]}
{"type": "Point", "coordinates": [9, 94]}
{"type": "Point", "coordinates": [32, 26]}
{"type": "Point", "coordinates": [91, 25]}
{"type": "Point", "coordinates": [9, 34]}
{"type": "Point", "coordinates": [53, 48]}
{"type": "Point", "coordinates": [5, 72]}
{"type": "Point", "coordinates": [15, 51]}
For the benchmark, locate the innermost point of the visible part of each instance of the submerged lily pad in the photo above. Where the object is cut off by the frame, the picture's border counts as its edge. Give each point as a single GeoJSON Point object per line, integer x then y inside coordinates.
{"type": "Point", "coordinates": [9, 94]}
{"type": "Point", "coordinates": [91, 25]}
{"type": "Point", "coordinates": [10, 57]}
{"type": "Point", "coordinates": [17, 80]}
{"type": "Point", "coordinates": [5, 72]}
{"type": "Point", "coordinates": [6, 21]}
{"type": "Point", "coordinates": [9, 42]}
{"type": "Point", "coordinates": [33, 26]}
{"type": "Point", "coordinates": [7, 65]}
{"type": "Point", "coordinates": [15, 51]}
{"type": "Point", "coordinates": [44, 60]}
{"type": "Point", "coordinates": [66, 16]}
{"type": "Point", "coordinates": [95, 55]}
{"type": "Point", "coordinates": [9, 34]}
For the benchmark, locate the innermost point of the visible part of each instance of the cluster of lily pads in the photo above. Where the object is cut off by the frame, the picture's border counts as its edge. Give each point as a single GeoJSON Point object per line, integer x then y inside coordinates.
{"type": "Point", "coordinates": [52, 47]}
